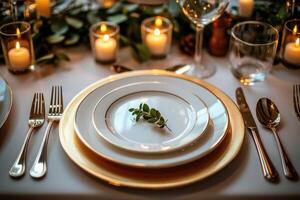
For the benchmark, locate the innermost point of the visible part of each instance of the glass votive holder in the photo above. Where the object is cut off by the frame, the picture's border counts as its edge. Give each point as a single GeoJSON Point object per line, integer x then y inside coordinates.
{"type": "Point", "coordinates": [17, 46]}
{"type": "Point", "coordinates": [252, 51]}
{"type": "Point", "coordinates": [104, 38]}
{"type": "Point", "coordinates": [290, 46]}
{"type": "Point", "coordinates": [157, 35]}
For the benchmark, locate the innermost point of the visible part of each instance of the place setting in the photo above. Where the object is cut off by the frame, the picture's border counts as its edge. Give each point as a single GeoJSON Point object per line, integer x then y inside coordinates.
{"type": "Point", "coordinates": [150, 123]}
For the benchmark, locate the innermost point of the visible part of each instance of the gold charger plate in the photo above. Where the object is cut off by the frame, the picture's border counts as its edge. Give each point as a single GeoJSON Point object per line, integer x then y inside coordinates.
{"type": "Point", "coordinates": [151, 178]}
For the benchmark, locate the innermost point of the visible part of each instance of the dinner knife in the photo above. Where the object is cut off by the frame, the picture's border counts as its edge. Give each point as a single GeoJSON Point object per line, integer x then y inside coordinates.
{"type": "Point", "coordinates": [178, 69]}
{"type": "Point", "coordinates": [268, 168]}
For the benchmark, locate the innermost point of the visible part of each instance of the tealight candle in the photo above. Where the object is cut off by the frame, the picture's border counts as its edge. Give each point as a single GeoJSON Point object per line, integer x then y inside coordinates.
{"type": "Point", "coordinates": [106, 48]}
{"type": "Point", "coordinates": [156, 42]}
{"type": "Point", "coordinates": [104, 40]}
{"type": "Point", "coordinates": [43, 7]}
{"type": "Point", "coordinates": [246, 8]}
{"type": "Point", "coordinates": [19, 57]}
{"type": "Point", "coordinates": [157, 35]}
{"type": "Point", "coordinates": [292, 52]}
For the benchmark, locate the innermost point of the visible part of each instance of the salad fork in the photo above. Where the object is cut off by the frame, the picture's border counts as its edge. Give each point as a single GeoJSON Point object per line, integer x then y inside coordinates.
{"type": "Point", "coordinates": [39, 167]}
{"type": "Point", "coordinates": [296, 98]}
{"type": "Point", "coordinates": [36, 119]}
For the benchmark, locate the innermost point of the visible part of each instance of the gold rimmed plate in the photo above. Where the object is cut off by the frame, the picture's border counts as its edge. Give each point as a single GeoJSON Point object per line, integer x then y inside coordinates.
{"type": "Point", "coordinates": [153, 178]}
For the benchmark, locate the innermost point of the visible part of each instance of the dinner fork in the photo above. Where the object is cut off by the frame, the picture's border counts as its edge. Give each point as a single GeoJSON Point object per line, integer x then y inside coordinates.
{"type": "Point", "coordinates": [296, 97]}
{"type": "Point", "coordinates": [39, 167]}
{"type": "Point", "coordinates": [36, 119]}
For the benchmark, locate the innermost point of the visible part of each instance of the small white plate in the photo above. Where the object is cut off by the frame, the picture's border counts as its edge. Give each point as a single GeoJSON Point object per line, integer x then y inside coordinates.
{"type": "Point", "coordinates": [213, 136]}
{"type": "Point", "coordinates": [186, 114]}
{"type": "Point", "coordinates": [5, 101]}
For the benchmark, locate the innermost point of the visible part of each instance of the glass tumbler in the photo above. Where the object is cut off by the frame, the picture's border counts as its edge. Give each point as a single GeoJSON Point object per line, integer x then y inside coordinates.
{"type": "Point", "coordinates": [252, 51]}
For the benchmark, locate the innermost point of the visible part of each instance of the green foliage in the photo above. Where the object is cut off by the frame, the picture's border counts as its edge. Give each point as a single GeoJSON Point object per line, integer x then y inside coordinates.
{"type": "Point", "coordinates": [150, 115]}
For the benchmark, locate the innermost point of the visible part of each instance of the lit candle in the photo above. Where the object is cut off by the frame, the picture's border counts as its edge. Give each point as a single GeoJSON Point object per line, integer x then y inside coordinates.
{"type": "Point", "coordinates": [19, 57]}
{"type": "Point", "coordinates": [246, 8]}
{"type": "Point", "coordinates": [43, 7]}
{"type": "Point", "coordinates": [105, 46]}
{"type": "Point", "coordinates": [157, 41]}
{"type": "Point", "coordinates": [292, 52]}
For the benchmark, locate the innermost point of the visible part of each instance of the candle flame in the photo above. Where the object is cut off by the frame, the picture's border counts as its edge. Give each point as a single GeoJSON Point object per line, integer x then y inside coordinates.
{"type": "Point", "coordinates": [295, 29]}
{"type": "Point", "coordinates": [158, 21]}
{"type": "Point", "coordinates": [103, 28]}
{"type": "Point", "coordinates": [156, 31]}
{"type": "Point", "coordinates": [17, 45]}
{"type": "Point", "coordinates": [106, 37]}
{"type": "Point", "coordinates": [298, 42]}
{"type": "Point", "coordinates": [18, 32]}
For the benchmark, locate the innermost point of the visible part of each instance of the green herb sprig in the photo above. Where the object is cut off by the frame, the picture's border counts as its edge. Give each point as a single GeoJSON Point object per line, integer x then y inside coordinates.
{"type": "Point", "coordinates": [151, 115]}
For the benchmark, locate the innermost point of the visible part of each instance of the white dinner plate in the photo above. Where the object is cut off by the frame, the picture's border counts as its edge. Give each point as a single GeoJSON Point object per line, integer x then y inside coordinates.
{"type": "Point", "coordinates": [5, 101]}
{"type": "Point", "coordinates": [185, 113]}
{"type": "Point", "coordinates": [206, 143]}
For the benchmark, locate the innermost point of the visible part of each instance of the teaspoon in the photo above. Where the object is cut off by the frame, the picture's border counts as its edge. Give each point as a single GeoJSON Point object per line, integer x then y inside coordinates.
{"type": "Point", "coordinates": [269, 116]}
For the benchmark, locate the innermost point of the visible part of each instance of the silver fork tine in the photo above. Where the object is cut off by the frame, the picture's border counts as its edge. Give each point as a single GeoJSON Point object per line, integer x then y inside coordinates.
{"type": "Point", "coordinates": [32, 110]}
{"type": "Point", "coordinates": [56, 99]}
{"type": "Point", "coordinates": [296, 98]}
{"type": "Point", "coordinates": [60, 100]}
{"type": "Point", "coordinates": [43, 105]}
{"type": "Point", "coordinates": [51, 101]}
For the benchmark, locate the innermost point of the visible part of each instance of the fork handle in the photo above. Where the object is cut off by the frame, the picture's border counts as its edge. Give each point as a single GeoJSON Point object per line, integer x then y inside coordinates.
{"type": "Point", "coordinates": [39, 167]}
{"type": "Point", "coordinates": [18, 168]}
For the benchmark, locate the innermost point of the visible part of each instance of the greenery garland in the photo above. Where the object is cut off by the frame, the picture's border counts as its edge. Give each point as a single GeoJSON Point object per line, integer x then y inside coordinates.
{"type": "Point", "coordinates": [71, 19]}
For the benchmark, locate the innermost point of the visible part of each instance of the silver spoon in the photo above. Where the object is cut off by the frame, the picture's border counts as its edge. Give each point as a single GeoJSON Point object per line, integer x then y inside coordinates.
{"type": "Point", "coordinates": [268, 115]}
{"type": "Point", "coordinates": [178, 69]}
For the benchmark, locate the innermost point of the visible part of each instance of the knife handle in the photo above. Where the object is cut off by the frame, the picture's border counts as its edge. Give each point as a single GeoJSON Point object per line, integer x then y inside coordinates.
{"type": "Point", "coordinates": [268, 168]}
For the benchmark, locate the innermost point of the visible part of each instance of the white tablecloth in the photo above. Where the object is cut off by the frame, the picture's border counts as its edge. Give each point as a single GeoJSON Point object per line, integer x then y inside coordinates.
{"type": "Point", "coordinates": [240, 179]}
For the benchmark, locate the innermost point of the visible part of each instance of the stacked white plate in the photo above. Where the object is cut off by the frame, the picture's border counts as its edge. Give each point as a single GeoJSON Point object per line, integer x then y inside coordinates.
{"type": "Point", "coordinates": [5, 101]}
{"type": "Point", "coordinates": [198, 121]}
{"type": "Point", "coordinates": [197, 118]}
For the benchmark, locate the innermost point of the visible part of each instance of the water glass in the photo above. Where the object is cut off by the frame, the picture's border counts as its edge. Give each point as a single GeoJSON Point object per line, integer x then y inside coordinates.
{"type": "Point", "coordinates": [252, 51]}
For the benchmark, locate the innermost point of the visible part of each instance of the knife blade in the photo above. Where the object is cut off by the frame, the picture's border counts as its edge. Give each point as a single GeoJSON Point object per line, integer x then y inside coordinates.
{"type": "Point", "coordinates": [268, 168]}
{"type": "Point", "coordinates": [178, 69]}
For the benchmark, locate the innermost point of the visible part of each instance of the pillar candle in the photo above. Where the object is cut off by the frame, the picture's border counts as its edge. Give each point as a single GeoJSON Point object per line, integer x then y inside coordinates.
{"type": "Point", "coordinates": [19, 57]}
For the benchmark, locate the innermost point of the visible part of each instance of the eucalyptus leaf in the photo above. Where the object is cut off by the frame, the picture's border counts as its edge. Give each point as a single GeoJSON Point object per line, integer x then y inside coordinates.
{"type": "Point", "coordinates": [59, 27]}
{"type": "Point", "coordinates": [117, 19]}
{"type": "Point", "coordinates": [45, 58]}
{"type": "Point", "coordinates": [140, 52]}
{"type": "Point", "coordinates": [74, 22]}
{"type": "Point", "coordinates": [62, 56]}
{"type": "Point", "coordinates": [72, 39]}
{"type": "Point", "coordinates": [115, 8]}
{"type": "Point", "coordinates": [92, 17]}
{"type": "Point", "coordinates": [130, 7]}
{"type": "Point", "coordinates": [55, 39]}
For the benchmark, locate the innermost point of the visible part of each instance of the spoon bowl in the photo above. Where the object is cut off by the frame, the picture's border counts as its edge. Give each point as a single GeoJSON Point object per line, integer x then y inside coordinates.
{"type": "Point", "coordinates": [267, 113]}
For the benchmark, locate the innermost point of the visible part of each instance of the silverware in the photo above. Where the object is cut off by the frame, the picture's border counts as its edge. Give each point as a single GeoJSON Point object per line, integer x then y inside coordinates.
{"type": "Point", "coordinates": [269, 116]}
{"type": "Point", "coordinates": [268, 169]}
{"type": "Point", "coordinates": [39, 167]}
{"type": "Point", "coordinates": [296, 98]}
{"type": "Point", "coordinates": [36, 119]}
{"type": "Point", "coordinates": [178, 69]}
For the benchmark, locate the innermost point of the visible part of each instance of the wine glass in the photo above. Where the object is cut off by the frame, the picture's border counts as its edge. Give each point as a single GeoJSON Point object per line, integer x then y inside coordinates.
{"type": "Point", "coordinates": [201, 13]}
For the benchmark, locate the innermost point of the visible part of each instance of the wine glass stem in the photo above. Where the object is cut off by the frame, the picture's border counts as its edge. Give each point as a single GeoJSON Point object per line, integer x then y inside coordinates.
{"type": "Point", "coordinates": [198, 46]}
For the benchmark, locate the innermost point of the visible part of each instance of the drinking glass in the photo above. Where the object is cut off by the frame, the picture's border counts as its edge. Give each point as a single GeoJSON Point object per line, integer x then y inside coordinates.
{"type": "Point", "coordinates": [252, 50]}
{"type": "Point", "coordinates": [201, 13]}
